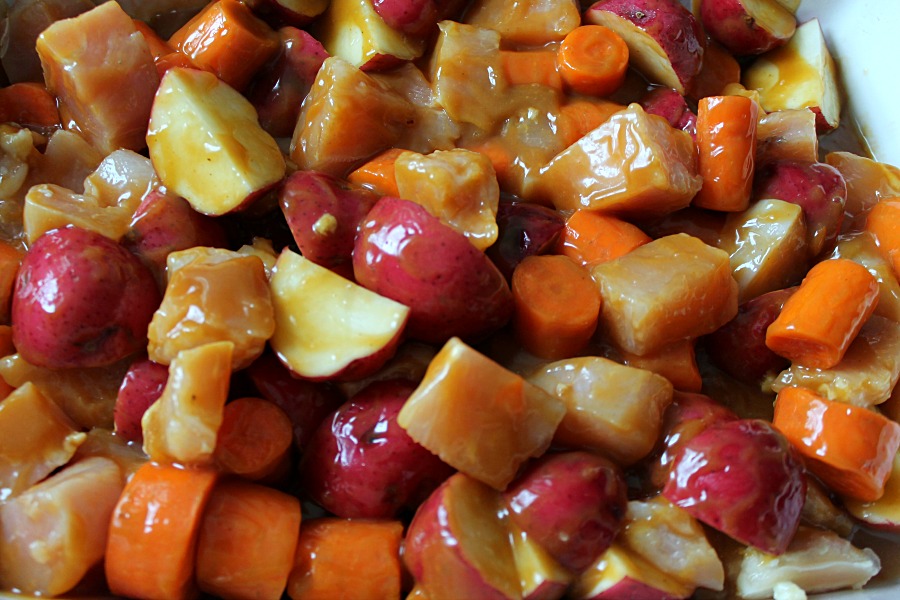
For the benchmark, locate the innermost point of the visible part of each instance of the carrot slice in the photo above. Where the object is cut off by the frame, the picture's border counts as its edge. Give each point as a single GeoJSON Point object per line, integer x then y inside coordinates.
{"type": "Point", "coordinates": [593, 60]}
{"type": "Point", "coordinates": [579, 117]}
{"type": "Point", "coordinates": [339, 558]}
{"type": "Point", "coordinates": [28, 104]}
{"type": "Point", "coordinates": [884, 224]}
{"type": "Point", "coordinates": [378, 174]}
{"type": "Point", "coordinates": [819, 321]}
{"type": "Point", "coordinates": [591, 238]}
{"type": "Point", "coordinates": [254, 439]}
{"type": "Point", "coordinates": [557, 306]}
{"type": "Point", "coordinates": [150, 552]}
{"type": "Point", "coordinates": [227, 39]}
{"type": "Point", "coordinates": [531, 67]}
{"type": "Point", "coordinates": [726, 141]}
{"type": "Point", "coordinates": [850, 448]}
{"type": "Point", "coordinates": [247, 541]}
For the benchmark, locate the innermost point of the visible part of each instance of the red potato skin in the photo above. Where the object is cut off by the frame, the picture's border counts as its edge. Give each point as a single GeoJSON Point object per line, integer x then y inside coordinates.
{"type": "Point", "coordinates": [306, 403]}
{"type": "Point", "coordinates": [282, 85]}
{"type": "Point", "coordinates": [685, 417]}
{"type": "Point", "coordinates": [308, 197]}
{"type": "Point", "coordinates": [452, 289]}
{"type": "Point", "coordinates": [669, 23]}
{"type": "Point", "coordinates": [524, 230]}
{"type": "Point", "coordinates": [739, 347]}
{"type": "Point", "coordinates": [743, 478]}
{"type": "Point", "coordinates": [818, 188]}
{"type": "Point", "coordinates": [572, 504]}
{"type": "Point", "coordinates": [81, 300]}
{"type": "Point", "coordinates": [142, 386]}
{"type": "Point", "coordinates": [671, 106]}
{"type": "Point", "coordinates": [727, 22]}
{"type": "Point", "coordinates": [361, 464]}
{"type": "Point", "coordinates": [413, 17]}
{"type": "Point", "coordinates": [165, 223]}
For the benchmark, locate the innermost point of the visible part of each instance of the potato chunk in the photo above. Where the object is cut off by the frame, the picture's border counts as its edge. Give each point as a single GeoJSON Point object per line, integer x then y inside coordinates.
{"type": "Point", "coordinates": [532, 23]}
{"type": "Point", "coordinates": [673, 288]}
{"type": "Point", "coordinates": [609, 407]}
{"type": "Point", "coordinates": [632, 164]}
{"type": "Point", "coordinates": [100, 68]}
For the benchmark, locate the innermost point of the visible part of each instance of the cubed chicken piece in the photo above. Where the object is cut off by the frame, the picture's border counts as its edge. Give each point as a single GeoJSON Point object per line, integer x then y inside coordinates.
{"type": "Point", "coordinates": [213, 295]}
{"type": "Point", "coordinates": [347, 117]}
{"type": "Point", "coordinates": [467, 75]}
{"type": "Point", "coordinates": [100, 68]}
{"type": "Point", "coordinates": [36, 437]}
{"type": "Point", "coordinates": [51, 535]}
{"type": "Point", "coordinates": [478, 417]}
{"type": "Point", "coordinates": [767, 247]}
{"type": "Point", "coordinates": [865, 376]}
{"type": "Point", "coordinates": [634, 164]}
{"type": "Point", "coordinates": [526, 23]}
{"type": "Point", "coordinates": [182, 426]}
{"type": "Point", "coordinates": [457, 186]}
{"type": "Point", "coordinates": [673, 288]}
{"type": "Point", "coordinates": [609, 407]}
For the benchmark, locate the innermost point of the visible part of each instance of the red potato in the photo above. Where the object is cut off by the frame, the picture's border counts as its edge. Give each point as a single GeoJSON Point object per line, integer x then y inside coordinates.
{"type": "Point", "coordinates": [687, 415]}
{"type": "Point", "coordinates": [413, 17]}
{"type": "Point", "coordinates": [621, 573]}
{"type": "Point", "coordinates": [281, 86]}
{"type": "Point", "coordinates": [326, 326]}
{"type": "Point", "coordinates": [361, 464]}
{"type": "Point", "coordinates": [665, 41]}
{"type": "Point", "coordinates": [306, 403]}
{"type": "Point", "coordinates": [457, 545]}
{"type": "Point", "coordinates": [143, 384]}
{"type": "Point", "coordinates": [571, 504]}
{"type": "Point", "coordinates": [164, 223]}
{"type": "Point", "coordinates": [542, 578]}
{"type": "Point", "coordinates": [71, 309]}
{"type": "Point", "coordinates": [524, 230]}
{"type": "Point", "coordinates": [671, 106]}
{"type": "Point", "coordinates": [739, 347]}
{"type": "Point", "coordinates": [232, 159]}
{"type": "Point", "coordinates": [747, 27]}
{"type": "Point", "coordinates": [324, 215]}
{"type": "Point", "coordinates": [743, 478]}
{"type": "Point", "coordinates": [452, 289]}
{"type": "Point", "coordinates": [818, 188]}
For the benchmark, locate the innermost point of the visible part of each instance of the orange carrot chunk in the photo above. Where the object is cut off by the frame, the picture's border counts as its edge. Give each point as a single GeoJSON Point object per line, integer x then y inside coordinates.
{"type": "Point", "coordinates": [850, 448]}
{"type": "Point", "coordinates": [593, 60]}
{"type": "Point", "coordinates": [339, 558]}
{"type": "Point", "coordinates": [247, 541]}
{"type": "Point", "coordinates": [884, 224]}
{"type": "Point", "coordinates": [10, 259]}
{"type": "Point", "coordinates": [677, 362]}
{"type": "Point", "coordinates": [726, 141]}
{"type": "Point", "coordinates": [254, 440]}
{"type": "Point", "coordinates": [557, 306]}
{"type": "Point", "coordinates": [150, 552]}
{"type": "Point", "coordinates": [818, 322]}
{"type": "Point", "coordinates": [227, 39]}
{"type": "Point", "coordinates": [29, 105]}
{"type": "Point", "coordinates": [378, 174]}
{"type": "Point", "coordinates": [531, 66]}
{"type": "Point", "coordinates": [591, 238]}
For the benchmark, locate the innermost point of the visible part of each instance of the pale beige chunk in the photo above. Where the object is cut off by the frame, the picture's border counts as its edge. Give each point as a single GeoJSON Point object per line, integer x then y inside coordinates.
{"type": "Point", "coordinates": [634, 164]}
{"type": "Point", "coordinates": [533, 23]}
{"type": "Point", "coordinates": [868, 181]}
{"type": "Point", "coordinates": [100, 68]}
{"type": "Point", "coordinates": [610, 407]}
{"type": "Point", "coordinates": [673, 288]}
